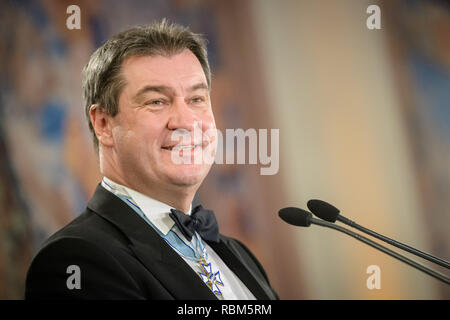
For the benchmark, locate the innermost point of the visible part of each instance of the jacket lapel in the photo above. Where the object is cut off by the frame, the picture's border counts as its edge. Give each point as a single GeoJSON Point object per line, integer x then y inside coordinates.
{"type": "Point", "coordinates": [151, 250]}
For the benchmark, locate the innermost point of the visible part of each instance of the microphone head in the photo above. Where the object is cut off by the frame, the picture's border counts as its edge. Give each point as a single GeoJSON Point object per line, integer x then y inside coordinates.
{"type": "Point", "coordinates": [323, 210]}
{"type": "Point", "coordinates": [296, 216]}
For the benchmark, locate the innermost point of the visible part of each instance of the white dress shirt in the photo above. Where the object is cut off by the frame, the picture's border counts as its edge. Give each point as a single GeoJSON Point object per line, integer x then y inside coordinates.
{"type": "Point", "coordinates": [158, 214]}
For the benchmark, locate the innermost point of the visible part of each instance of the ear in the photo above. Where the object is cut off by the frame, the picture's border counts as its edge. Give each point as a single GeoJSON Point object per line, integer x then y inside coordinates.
{"type": "Point", "coordinates": [102, 124]}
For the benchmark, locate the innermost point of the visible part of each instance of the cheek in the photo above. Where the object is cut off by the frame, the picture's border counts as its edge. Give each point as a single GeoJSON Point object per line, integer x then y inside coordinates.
{"type": "Point", "coordinates": [148, 139]}
{"type": "Point", "coordinates": [208, 121]}
{"type": "Point", "coordinates": [122, 136]}
{"type": "Point", "coordinates": [132, 141]}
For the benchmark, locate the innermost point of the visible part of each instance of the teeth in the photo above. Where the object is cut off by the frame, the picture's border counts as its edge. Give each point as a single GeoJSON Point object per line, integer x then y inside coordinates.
{"type": "Point", "coordinates": [184, 147]}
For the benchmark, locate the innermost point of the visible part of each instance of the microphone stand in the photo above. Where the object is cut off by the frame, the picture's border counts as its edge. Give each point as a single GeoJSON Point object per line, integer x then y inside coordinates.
{"type": "Point", "coordinates": [397, 244]}
{"type": "Point", "coordinates": [375, 245]}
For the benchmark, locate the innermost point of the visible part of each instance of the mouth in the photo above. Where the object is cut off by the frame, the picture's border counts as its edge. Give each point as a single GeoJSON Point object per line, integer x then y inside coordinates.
{"type": "Point", "coordinates": [180, 147]}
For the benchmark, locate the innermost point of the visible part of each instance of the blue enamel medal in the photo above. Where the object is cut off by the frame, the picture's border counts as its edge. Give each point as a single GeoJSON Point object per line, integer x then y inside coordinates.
{"type": "Point", "coordinates": [211, 279]}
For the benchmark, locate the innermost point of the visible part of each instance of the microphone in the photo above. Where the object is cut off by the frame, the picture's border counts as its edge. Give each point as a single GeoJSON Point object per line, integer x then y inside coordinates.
{"type": "Point", "coordinates": [329, 213]}
{"type": "Point", "coordinates": [296, 216]}
{"type": "Point", "coordinates": [302, 218]}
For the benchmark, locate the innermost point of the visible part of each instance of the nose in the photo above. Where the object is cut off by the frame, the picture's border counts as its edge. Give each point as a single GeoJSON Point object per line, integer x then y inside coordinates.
{"type": "Point", "coordinates": [181, 117]}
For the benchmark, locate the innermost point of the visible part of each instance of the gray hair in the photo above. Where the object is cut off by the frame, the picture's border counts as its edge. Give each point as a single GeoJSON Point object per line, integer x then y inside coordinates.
{"type": "Point", "coordinates": [102, 78]}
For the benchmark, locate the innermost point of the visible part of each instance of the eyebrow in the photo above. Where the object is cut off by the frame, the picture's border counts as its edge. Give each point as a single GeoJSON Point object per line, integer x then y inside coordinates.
{"type": "Point", "coordinates": [161, 89]}
{"type": "Point", "coordinates": [167, 90]}
{"type": "Point", "coordinates": [198, 86]}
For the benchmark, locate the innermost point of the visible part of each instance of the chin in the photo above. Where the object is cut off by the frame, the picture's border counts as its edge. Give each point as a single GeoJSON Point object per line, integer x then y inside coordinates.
{"type": "Point", "coordinates": [188, 176]}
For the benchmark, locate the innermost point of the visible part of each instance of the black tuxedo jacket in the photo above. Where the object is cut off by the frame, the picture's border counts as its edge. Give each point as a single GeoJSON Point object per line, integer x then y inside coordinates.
{"type": "Point", "coordinates": [120, 256]}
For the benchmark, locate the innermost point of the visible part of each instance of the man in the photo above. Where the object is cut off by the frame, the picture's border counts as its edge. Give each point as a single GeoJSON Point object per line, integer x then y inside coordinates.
{"type": "Point", "coordinates": [146, 94]}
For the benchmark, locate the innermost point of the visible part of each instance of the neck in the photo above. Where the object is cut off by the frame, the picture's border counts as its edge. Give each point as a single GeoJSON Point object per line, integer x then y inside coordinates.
{"type": "Point", "coordinates": [179, 198]}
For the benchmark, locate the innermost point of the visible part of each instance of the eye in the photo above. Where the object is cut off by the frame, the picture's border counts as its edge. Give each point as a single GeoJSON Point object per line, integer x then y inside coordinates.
{"type": "Point", "coordinates": [156, 102]}
{"type": "Point", "coordinates": [198, 100]}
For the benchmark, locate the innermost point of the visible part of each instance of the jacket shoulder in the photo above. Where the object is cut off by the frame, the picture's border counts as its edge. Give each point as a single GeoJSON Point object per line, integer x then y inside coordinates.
{"type": "Point", "coordinates": [92, 228]}
{"type": "Point", "coordinates": [86, 249]}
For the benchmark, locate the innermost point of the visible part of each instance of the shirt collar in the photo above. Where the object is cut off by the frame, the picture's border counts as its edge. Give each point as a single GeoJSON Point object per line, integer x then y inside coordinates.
{"type": "Point", "coordinates": [156, 211]}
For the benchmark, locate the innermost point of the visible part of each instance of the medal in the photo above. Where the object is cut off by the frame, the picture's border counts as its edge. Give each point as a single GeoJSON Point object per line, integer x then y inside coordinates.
{"type": "Point", "coordinates": [211, 279]}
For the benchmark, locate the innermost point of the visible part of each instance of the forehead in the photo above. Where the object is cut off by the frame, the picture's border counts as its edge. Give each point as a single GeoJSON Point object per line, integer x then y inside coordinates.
{"type": "Point", "coordinates": [181, 68]}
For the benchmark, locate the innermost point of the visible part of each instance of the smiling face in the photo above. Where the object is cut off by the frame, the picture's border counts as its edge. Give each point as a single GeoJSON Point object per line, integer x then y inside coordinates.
{"type": "Point", "coordinates": [164, 114]}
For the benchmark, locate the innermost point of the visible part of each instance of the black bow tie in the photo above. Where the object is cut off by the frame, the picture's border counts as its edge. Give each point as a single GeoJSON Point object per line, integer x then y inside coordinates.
{"type": "Point", "coordinates": [201, 220]}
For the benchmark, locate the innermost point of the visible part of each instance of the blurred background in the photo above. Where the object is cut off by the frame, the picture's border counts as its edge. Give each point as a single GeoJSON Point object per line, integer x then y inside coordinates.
{"type": "Point", "coordinates": [364, 120]}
